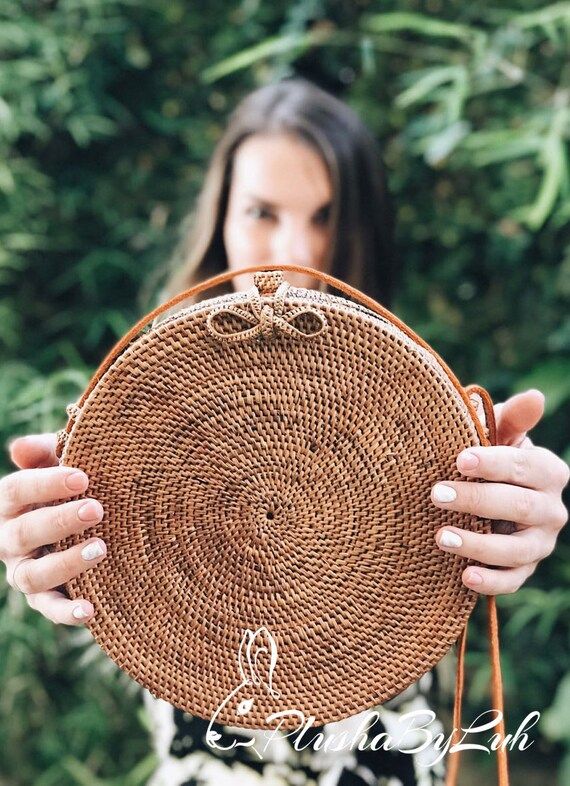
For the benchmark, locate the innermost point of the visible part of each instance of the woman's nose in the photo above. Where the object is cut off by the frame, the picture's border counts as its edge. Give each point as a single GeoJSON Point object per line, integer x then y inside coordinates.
{"type": "Point", "coordinates": [292, 246]}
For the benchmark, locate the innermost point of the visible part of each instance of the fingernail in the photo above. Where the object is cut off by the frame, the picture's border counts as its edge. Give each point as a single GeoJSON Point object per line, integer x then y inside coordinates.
{"type": "Point", "coordinates": [93, 550]}
{"type": "Point", "coordinates": [443, 493]}
{"type": "Point", "coordinates": [536, 390]}
{"type": "Point", "coordinates": [76, 481]}
{"type": "Point", "coordinates": [89, 511]}
{"type": "Point", "coordinates": [79, 613]}
{"type": "Point", "coordinates": [450, 539]}
{"type": "Point", "coordinates": [468, 460]}
{"type": "Point", "coordinates": [474, 578]}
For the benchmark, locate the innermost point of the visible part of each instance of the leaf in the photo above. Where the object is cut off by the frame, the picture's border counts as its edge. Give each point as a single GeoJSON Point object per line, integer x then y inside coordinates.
{"type": "Point", "coordinates": [442, 145]}
{"type": "Point", "coordinates": [142, 771]}
{"type": "Point", "coordinates": [507, 151]}
{"type": "Point", "coordinates": [554, 157]}
{"type": "Point", "coordinates": [276, 45]}
{"type": "Point", "coordinates": [555, 721]}
{"type": "Point", "coordinates": [367, 56]}
{"type": "Point", "coordinates": [7, 181]}
{"type": "Point", "coordinates": [425, 85]}
{"type": "Point", "coordinates": [423, 25]}
{"type": "Point", "coordinates": [552, 377]}
{"type": "Point", "coordinates": [544, 17]}
{"type": "Point", "coordinates": [81, 774]}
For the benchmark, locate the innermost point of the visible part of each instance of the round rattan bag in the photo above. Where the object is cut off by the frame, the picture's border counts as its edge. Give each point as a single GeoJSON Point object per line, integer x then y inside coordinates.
{"type": "Point", "coordinates": [264, 460]}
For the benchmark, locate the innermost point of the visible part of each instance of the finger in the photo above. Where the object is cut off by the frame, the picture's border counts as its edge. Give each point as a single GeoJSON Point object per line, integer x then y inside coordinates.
{"type": "Point", "coordinates": [511, 551]}
{"type": "Point", "coordinates": [30, 531]}
{"type": "Point", "coordinates": [33, 451]}
{"type": "Point", "coordinates": [500, 501]}
{"type": "Point", "coordinates": [27, 487]}
{"type": "Point", "coordinates": [494, 581]}
{"type": "Point", "coordinates": [58, 609]}
{"type": "Point", "coordinates": [536, 468]}
{"type": "Point", "coordinates": [519, 414]}
{"type": "Point", "coordinates": [51, 570]}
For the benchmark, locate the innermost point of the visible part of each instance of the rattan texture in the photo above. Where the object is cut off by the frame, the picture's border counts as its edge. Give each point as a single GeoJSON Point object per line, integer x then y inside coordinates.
{"type": "Point", "coordinates": [267, 479]}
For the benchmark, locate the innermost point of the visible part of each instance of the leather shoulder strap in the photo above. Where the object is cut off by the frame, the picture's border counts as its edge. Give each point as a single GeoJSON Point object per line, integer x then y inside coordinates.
{"type": "Point", "coordinates": [221, 278]}
{"type": "Point", "coordinates": [493, 635]}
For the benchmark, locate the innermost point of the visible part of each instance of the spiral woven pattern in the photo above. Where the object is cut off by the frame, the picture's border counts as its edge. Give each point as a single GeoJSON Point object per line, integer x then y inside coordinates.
{"type": "Point", "coordinates": [277, 481]}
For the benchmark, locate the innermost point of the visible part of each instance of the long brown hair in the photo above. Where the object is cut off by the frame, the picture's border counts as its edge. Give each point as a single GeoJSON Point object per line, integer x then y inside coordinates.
{"type": "Point", "coordinates": [361, 252]}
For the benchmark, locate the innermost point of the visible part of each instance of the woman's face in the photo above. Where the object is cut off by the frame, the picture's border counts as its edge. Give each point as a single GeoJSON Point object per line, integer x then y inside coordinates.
{"type": "Point", "coordinates": [278, 208]}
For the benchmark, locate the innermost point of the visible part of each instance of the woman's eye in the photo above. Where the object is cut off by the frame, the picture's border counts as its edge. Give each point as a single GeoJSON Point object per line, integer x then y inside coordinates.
{"type": "Point", "coordinates": [322, 217]}
{"type": "Point", "coordinates": [259, 212]}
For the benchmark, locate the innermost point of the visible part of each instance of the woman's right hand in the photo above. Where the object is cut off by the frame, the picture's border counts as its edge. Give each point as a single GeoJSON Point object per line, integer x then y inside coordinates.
{"type": "Point", "coordinates": [27, 525]}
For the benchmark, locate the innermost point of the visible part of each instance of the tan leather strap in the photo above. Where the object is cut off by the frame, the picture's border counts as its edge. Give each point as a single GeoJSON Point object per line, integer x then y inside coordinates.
{"type": "Point", "coordinates": [221, 278]}
{"type": "Point", "coordinates": [494, 652]}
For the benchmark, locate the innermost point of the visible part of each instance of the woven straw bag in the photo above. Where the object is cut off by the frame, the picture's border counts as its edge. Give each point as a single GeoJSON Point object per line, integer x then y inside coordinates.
{"type": "Point", "coordinates": [265, 460]}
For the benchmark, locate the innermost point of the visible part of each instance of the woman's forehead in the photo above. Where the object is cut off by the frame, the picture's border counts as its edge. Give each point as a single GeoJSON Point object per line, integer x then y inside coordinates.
{"type": "Point", "coordinates": [279, 168]}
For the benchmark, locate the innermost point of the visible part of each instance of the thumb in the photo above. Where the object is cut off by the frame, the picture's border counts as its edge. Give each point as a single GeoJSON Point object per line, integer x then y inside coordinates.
{"type": "Point", "coordinates": [518, 415]}
{"type": "Point", "coordinates": [33, 451]}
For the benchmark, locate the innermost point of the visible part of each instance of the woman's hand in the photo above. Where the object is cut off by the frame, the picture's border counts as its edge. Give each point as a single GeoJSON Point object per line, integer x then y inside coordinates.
{"type": "Point", "coordinates": [526, 489]}
{"type": "Point", "coordinates": [26, 526]}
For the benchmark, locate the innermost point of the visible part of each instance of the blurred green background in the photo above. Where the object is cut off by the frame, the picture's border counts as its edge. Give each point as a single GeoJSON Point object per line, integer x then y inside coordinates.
{"type": "Point", "coordinates": [109, 110]}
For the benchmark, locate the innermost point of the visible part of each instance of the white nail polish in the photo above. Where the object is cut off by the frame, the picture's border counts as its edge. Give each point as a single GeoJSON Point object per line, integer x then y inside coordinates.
{"type": "Point", "coordinates": [79, 613]}
{"type": "Point", "coordinates": [444, 493]}
{"type": "Point", "coordinates": [92, 550]}
{"type": "Point", "coordinates": [450, 539]}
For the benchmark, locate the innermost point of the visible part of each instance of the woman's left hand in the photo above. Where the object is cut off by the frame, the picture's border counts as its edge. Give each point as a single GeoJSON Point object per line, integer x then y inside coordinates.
{"type": "Point", "coordinates": [526, 489]}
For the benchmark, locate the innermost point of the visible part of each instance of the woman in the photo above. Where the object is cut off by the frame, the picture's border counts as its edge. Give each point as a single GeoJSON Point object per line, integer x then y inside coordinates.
{"type": "Point", "coordinates": [296, 178]}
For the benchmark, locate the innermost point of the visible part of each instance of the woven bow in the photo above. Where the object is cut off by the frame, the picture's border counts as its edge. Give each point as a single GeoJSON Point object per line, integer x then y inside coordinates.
{"type": "Point", "coordinates": [266, 318]}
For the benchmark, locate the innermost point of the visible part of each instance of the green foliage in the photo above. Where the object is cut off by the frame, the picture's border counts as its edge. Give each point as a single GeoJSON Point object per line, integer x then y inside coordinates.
{"type": "Point", "coordinates": [68, 714]}
{"type": "Point", "coordinates": [109, 110]}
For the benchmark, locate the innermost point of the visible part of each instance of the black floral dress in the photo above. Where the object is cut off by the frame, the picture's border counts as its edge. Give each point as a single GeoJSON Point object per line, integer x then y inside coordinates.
{"type": "Point", "coordinates": [185, 758]}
